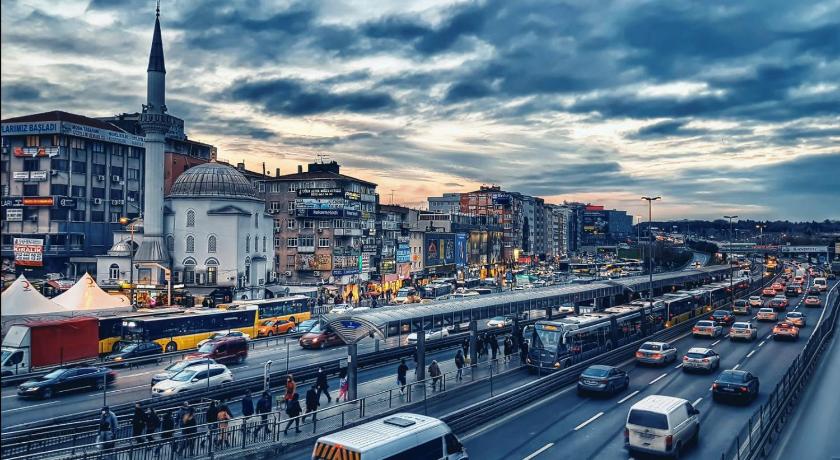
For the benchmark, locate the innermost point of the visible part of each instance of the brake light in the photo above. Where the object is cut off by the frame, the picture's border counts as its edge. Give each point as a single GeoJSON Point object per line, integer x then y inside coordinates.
{"type": "Point", "coordinates": [705, 360]}
{"type": "Point", "coordinates": [626, 435]}
{"type": "Point", "coordinates": [656, 356]}
{"type": "Point", "coordinates": [685, 358]}
{"type": "Point", "coordinates": [639, 354]}
{"type": "Point", "coordinates": [715, 386]}
{"type": "Point", "coordinates": [669, 441]}
{"type": "Point", "coordinates": [744, 389]}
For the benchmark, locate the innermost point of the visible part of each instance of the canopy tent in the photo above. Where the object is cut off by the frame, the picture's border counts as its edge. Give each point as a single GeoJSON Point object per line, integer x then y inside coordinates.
{"type": "Point", "coordinates": [22, 302]}
{"type": "Point", "coordinates": [87, 296]}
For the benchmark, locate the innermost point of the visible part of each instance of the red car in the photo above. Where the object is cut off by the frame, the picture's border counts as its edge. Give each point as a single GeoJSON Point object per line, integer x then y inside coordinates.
{"type": "Point", "coordinates": [778, 287]}
{"type": "Point", "coordinates": [318, 337]}
{"type": "Point", "coordinates": [768, 292]}
{"type": "Point", "coordinates": [812, 301]}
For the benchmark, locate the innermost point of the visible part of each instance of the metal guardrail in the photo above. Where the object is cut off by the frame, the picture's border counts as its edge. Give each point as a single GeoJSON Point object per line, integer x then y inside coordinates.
{"type": "Point", "coordinates": [755, 439]}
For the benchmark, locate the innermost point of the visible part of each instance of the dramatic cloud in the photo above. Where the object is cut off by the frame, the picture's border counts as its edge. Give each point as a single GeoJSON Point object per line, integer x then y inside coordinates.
{"type": "Point", "coordinates": [718, 106]}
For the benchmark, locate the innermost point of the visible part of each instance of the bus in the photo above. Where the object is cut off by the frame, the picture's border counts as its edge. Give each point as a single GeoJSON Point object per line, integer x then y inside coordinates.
{"type": "Point", "coordinates": [110, 327]}
{"type": "Point", "coordinates": [436, 290]}
{"type": "Point", "coordinates": [183, 330]}
{"type": "Point", "coordinates": [296, 308]}
{"type": "Point", "coordinates": [469, 283]}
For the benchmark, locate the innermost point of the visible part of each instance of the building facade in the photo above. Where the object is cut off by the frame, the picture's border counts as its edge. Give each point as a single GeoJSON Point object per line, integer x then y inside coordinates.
{"type": "Point", "coordinates": [449, 203]}
{"type": "Point", "coordinates": [507, 207]}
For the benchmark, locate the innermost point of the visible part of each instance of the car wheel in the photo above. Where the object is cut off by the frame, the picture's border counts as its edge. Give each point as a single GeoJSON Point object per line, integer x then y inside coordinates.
{"type": "Point", "coordinates": [678, 450]}
{"type": "Point", "coordinates": [627, 383]}
{"type": "Point", "coordinates": [171, 346]}
{"type": "Point", "coordinates": [240, 359]}
{"type": "Point", "coordinates": [270, 333]}
{"type": "Point", "coordinates": [47, 393]}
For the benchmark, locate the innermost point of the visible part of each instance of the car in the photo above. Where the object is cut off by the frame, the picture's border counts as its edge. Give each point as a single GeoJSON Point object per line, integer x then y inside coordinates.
{"type": "Point", "coordinates": [178, 366]}
{"type": "Point", "coordinates": [768, 292]}
{"type": "Point", "coordinates": [735, 385]}
{"type": "Point", "coordinates": [777, 303]}
{"type": "Point", "coordinates": [706, 328]}
{"type": "Point", "coordinates": [722, 317]}
{"type": "Point", "coordinates": [785, 330]}
{"type": "Point", "coordinates": [700, 358]}
{"type": "Point", "coordinates": [813, 290]}
{"type": "Point", "coordinates": [224, 350]}
{"type": "Point", "coordinates": [798, 287]}
{"type": "Point", "coordinates": [778, 287]}
{"type": "Point", "coordinates": [320, 337]}
{"type": "Point", "coordinates": [272, 327]}
{"type": "Point", "coordinates": [136, 350]}
{"type": "Point", "coordinates": [656, 353]}
{"type": "Point", "coordinates": [431, 334]}
{"type": "Point", "coordinates": [499, 322]}
{"type": "Point", "coordinates": [813, 301]}
{"type": "Point", "coordinates": [767, 314]}
{"type": "Point", "coordinates": [798, 279]}
{"type": "Point", "coordinates": [742, 330]}
{"type": "Point", "coordinates": [194, 378]}
{"type": "Point", "coordinates": [742, 307]}
{"type": "Point", "coordinates": [661, 425]}
{"type": "Point", "coordinates": [66, 379]}
{"type": "Point", "coordinates": [796, 318]}
{"type": "Point", "coordinates": [755, 301]}
{"type": "Point", "coordinates": [222, 334]}
{"type": "Point", "coordinates": [305, 326]}
{"type": "Point", "coordinates": [791, 291]}
{"type": "Point", "coordinates": [602, 379]}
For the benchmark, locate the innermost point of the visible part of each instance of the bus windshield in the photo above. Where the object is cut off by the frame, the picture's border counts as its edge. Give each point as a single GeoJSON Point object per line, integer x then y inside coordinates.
{"type": "Point", "coordinates": [547, 339]}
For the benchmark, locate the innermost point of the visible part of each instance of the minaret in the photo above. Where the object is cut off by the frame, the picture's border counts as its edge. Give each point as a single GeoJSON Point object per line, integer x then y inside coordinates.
{"type": "Point", "coordinates": [155, 123]}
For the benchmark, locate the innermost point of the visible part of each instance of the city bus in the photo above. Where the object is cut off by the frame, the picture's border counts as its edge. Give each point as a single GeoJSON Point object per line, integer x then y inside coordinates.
{"type": "Point", "coordinates": [436, 290]}
{"type": "Point", "coordinates": [296, 308]}
{"type": "Point", "coordinates": [183, 330]}
{"type": "Point", "coordinates": [110, 327]}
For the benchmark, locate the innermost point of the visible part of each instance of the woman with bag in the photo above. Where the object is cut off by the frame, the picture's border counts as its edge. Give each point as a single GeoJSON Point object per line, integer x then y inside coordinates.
{"type": "Point", "coordinates": [343, 384]}
{"type": "Point", "coordinates": [291, 387]}
{"type": "Point", "coordinates": [223, 417]}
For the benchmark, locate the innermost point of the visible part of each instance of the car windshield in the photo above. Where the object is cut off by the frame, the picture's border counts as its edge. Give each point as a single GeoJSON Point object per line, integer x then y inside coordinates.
{"type": "Point", "coordinates": [498, 318]}
{"type": "Point", "coordinates": [731, 377]}
{"type": "Point", "coordinates": [129, 348]}
{"type": "Point", "coordinates": [695, 355]}
{"type": "Point", "coordinates": [404, 292]}
{"type": "Point", "coordinates": [704, 323]}
{"type": "Point", "coordinates": [648, 419]}
{"type": "Point", "coordinates": [55, 374]}
{"type": "Point", "coordinates": [766, 310]}
{"type": "Point", "coordinates": [794, 315]}
{"type": "Point", "coordinates": [596, 372]}
{"type": "Point", "coordinates": [5, 355]}
{"type": "Point", "coordinates": [650, 346]}
{"type": "Point", "coordinates": [547, 339]}
{"type": "Point", "coordinates": [740, 326]}
{"type": "Point", "coordinates": [316, 329]}
{"type": "Point", "coordinates": [184, 376]}
{"type": "Point", "coordinates": [206, 348]}
{"type": "Point", "coordinates": [268, 323]}
{"type": "Point", "coordinates": [720, 313]}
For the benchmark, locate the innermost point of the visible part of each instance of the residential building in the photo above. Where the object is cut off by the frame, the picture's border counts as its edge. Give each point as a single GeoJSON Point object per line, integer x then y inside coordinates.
{"type": "Point", "coordinates": [508, 208]}
{"type": "Point", "coordinates": [449, 203]}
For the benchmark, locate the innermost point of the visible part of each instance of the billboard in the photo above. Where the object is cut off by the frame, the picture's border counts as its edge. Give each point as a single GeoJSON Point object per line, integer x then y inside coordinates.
{"type": "Point", "coordinates": [461, 250]}
{"type": "Point", "coordinates": [315, 203]}
{"type": "Point", "coordinates": [327, 213]}
{"type": "Point", "coordinates": [804, 249]}
{"type": "Point", "coordinates": [29, 252]}
{"type": "Point", "coordinates": [596, 222]}
{"type": "Point", "coordinates": [14, 214]}
{"type": "Point", "coordinates": [315, 262]}
{"type": "Point", "coordinates": [320, 192]}
{"type": "Point", "coordinates": [403, 253]}
{"type": "Point", "coordinates": [439, 249]}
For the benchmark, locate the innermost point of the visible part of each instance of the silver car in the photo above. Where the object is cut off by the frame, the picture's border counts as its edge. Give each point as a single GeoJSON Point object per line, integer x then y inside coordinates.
{"type": "Point", "coordinates": [178, 366]}
{"type": "Point", "coordinates": [700, 358]}
{"type": "Point", "coordinates": [707, 328]}
{"type": "Point", "coordinates": [743, 330]}
{"type": "Point", "coordinates": [656, 353]}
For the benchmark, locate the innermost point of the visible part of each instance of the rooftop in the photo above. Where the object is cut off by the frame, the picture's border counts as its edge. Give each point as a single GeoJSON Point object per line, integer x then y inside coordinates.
{"type": "Point", "coordinates": [59, 115]}
{"type": "Point", "coordinates": [213, 180]}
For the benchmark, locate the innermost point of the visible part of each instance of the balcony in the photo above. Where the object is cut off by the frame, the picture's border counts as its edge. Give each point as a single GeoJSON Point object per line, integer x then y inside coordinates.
{"type": "Point", "coordinates": [347, 232]}
{"type": "Point", "coordinates": [305, 249]}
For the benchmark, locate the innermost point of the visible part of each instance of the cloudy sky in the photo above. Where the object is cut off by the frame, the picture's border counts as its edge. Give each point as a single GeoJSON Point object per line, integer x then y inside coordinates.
{"type": "Point", "coordinates": [720, 107]}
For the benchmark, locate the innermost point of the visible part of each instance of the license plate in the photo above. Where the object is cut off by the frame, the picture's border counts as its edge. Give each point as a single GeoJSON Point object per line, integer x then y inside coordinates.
{"type": "Point", "coordinates": [730, 390]}
{"type": "Point", "coordinates": [646, 435]}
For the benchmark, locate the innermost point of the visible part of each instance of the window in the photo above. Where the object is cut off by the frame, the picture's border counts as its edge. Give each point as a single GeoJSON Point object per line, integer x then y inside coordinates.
{"type": "Point", "coordinates": [77, 216]}
{"type": "Point", "coordinates": [323, 242]}
{"type": "Point", "coordinates": [212, 275]}
{"type": "Point", "coordinates": [58, 214]}
{"type": "Point", "coordinates": [133, 173]}
{"type": "Point", "coordinates": [306, 241]}
{"type": "Point", "coordinates": [309, 224]}
{"type": "Point", "coordinates": [97, 216]}
{"type": "Point", "coordinates": [264, 243]}
{"type": "Point", "coordinates": [78, 191]}
{"type": "Point", "coordinates": [211, 244]}
{"type": "Point", "coordinates": [257, 220]}
{"type": "Point", "coordinates": [98, 170]}
{"type": "Point", "coordinates": [247, 244]}
{"type": "Point", "coordinates": [97, 147]}
{"type": "Point", "coordinates": [97, 192]}
{"type": "Point", "coordinates": [337, 224]}
{"type": "Point", "coordinates": [59, 165]}
{"type": "Point", "coordinates": [116, 194]}
{"type": "Point", "coordinates": [277, 241]}
{"type": "Point", "coordinates": [273, 206]}
{"type": "Point", "coordinates": [190, 218]}
{"type": "Point", "coordinates": [77, 143]}
{"type": "Point", "coordinates": [58, 189]}
{"type": "Point", "coordinates": [323, 224]}
{"type": "Point", "coordinates": [114, 272]}
{"type": "Point", "coordinates": [170, 243]}
{"type": "Point", "coordinates": [290, 262]}
{"type": "Point", "coordinates": [31, 164]}
{"type": "Point", "coordinates": [292, 224]}
{"type": "Point", "coordinates": [99, 158]}
{"type": "Point", "coordinates": [30, 189]}
{"type": "Point", "coordinates": [430, 450]}
{"type": "Point", "coordinates": [190, 244]}
{"type": "Point", "coordinates": [33, 141]}
{"type": "Point", "coordinates": [117, 171]}
{"type": "Point", "coordinates": [115, 216]}
{"type": "Point", "coordinates": [79, 167]}
{"type": "Point", "coordinates": [256, 243]}
{"type": "Point", "coordinates": [291, 242]}
{"type": "Point", "coordinates": [291, 206]}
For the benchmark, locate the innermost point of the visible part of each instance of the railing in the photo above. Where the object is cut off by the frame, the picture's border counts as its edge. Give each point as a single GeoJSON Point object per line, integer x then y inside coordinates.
{"type": "Point", "coordinates": [755, 439]}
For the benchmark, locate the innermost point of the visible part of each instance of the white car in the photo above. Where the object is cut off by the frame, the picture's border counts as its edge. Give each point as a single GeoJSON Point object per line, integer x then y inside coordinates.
{"type": "Point", "coordinates": [430, 335]}
{"type": "Point", "coordinates": [499, 321]}
{"type": "Point", "coordinates": [221, 334]}
{"type": "Point", "coordinates": [701, 358]}
{"type": "Point", "coordinates": [755, 301]}
{"type": "Point", "coordinates": [192, 378]}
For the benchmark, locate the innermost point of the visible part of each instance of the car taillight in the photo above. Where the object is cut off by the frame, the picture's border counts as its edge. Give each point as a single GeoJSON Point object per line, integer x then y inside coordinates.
{"type": "Point", "coordinates": [669, 441]}
{"type": "Point", "coordinates": [639, 354]}
{"type": "Point", "coordinates": [744, 389]}
{"type": "Point", "coordinates": [112, 374]}
{"type": "Point", "coordinates": [715, 386]}
{"type": "Point", "coordinates": [685, 358]}
{"type": "Point", "coordinates": [626, 435]}
{"type": "Point", "coordinates": [656, 356]}
{"type": "Point", "coordinates": [705, 360]}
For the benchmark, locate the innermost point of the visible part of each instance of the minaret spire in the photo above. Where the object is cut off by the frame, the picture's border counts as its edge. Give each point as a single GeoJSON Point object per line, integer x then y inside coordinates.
{"type": "Point", "coordinates": [156, 54]}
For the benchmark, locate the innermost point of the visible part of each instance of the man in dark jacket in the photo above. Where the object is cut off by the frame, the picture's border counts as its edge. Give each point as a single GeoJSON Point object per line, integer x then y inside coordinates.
{"type": "Point", "coordinates": [152, 424]}
{"type": "Point", "coordinates": [312, 402]}
{"type": "Point", "coordinates": [293, 410]}
{"type": "Point", "coordinates": [494, 346]}
{"type": "Point", "coordinates": [247, 404]}
{"type": "Point", "coordinates": [323, 386]}
{"type": "Point", "coordinates": [263, 408]}
{"type": "Point", "coordinates": [402, 370]}
{"type": "Point", "coordinates": [138, 423]}
{"type": "Point", "coordinates": [508, 348]}
{"type": "Point", "coordinates": [523, 351]}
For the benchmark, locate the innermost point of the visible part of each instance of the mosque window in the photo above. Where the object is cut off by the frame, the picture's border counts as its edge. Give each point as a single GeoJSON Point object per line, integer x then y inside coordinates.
{"type": "Point", "coordinates": [211, 243]}
{"type": "Point", "coordinates": [191, 218]}
{"type": "Point", "coordinates": [190, 244]}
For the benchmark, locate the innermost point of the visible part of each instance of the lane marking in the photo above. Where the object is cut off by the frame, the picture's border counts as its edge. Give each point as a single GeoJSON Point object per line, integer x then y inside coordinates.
{"type": "Point", "coordinates": [697, 401]}
{"type": "Point", "coordinates": [715, 342]}
{"type": "Point", "coordinates": [736, 367]}
{"type": "Point", "coordinates": [30, 407]}
{"type": "Point", "coordinates": [762, 343]}
{"type": "Point", "coordinates": [628, 397]}
{"type": "Point", "coordinates": [750, 353]}
{"type": "Point", "coordinates": [539, 451]}
{"type": "Point", "coordinates": [658, 379]}
{"type": "Point", "coordinates": [137, 375]}
{"type": "Point", "coordinates": [591, 419]}
{"type": "Point", "coordinates": [678, 366]}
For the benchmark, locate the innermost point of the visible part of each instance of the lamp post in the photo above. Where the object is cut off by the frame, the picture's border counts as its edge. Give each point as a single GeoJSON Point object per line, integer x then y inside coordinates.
{"type": "Point", "coordinates": [130, 223]}
{"type": "Point", "coordinates": [650, 201]}
{"type": "Point", "coordinates": [731, 292]}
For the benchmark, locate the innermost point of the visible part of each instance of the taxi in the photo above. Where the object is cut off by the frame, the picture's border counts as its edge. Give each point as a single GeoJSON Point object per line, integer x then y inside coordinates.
{"type": "Point", "coordinates": [798, 287]}
{"type": "Point", "coordinates": [272, 327]}
{"type": "Point", "coordinates": [812, 301]}
{"type": "Point", "coordinates": [785, 330]}
{"type": "Point", "coordinates": [796, 318]}
{"type": "Point", "coordinates": [767, 314]}
{"type": "Point", "coordinates": [706, 328]}
{"type": "Point", "coordinates": [778, 287]}
{"type": "Point", "coordinates": [768, 292]}
{"type": "Point", "coordinates": [778, 302]}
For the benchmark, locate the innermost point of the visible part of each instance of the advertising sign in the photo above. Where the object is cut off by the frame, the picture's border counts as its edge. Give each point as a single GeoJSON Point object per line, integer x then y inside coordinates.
{"type": "Point", "coordinates": [18, 201]}
{"type": "Point", "coordinates": [14, 214]}
{"type": "Point", "coordinates": [388, 266]}
{"type": "Point", "coordinates": [319, 192]}
{"type": "Point", "coordinates": [315, 262]}
{"type": "Point", "coordinates": [461, 250]}
{"type": "Point", "coordinates": [595, 222]}
{"type": "Point", "coordinates": [20, 175]}
{"type": "Point", "coordinates": [404, 271]}
{"type": "Point", "coordinates": [315, 203]}
{"type": "Point", "coordinates": [439, 249]}
{"type": "Point", "coordinates": [403, 253]}
{"type": "Point", "coordinates": [352, 196]}
{"type": "Point", "coordinates": [368, 248]}
{"type": "Point", "coordinates": [33, 152]}
{"type": "Point", "coordinates": [804, 249]}
{"type": "Point", "coordinates": [326, 213]}
{"type": "Point", "coordinates": [38, 175]}
{"type": "Point", "coordinates": [29, 252]}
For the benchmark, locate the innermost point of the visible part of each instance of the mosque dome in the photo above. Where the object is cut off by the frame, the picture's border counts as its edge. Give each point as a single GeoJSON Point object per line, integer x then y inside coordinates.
{"type": "Point", "coordinates": [213, 180]}
{"type": "Point", "coordinates": [121, 248]}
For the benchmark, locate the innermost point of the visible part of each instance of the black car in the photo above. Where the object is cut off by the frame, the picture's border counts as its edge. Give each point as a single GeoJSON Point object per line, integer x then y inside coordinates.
{"type": "Point", "coordinates": [813, 290]}
{"type": "Point", "coordinates": [723, 317]}
{"type": "Point", "coordinates": [67, 379]}
{"type": "Point", "coordinates": [602, 379]}
{"type": "Point", "coordinates": [137, 350]}
{"type": "Point", "coordinates": [791, 291]}
{"type": "Point", "coordinates": [735, 385]}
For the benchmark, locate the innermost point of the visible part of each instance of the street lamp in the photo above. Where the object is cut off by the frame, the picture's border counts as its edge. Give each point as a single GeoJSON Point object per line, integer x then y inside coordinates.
{"type": "Point", "coordinates": [731, 292]}
{"type": "Point", "coordinates": [130, 223]}
{"type": "Point", "coordinates": [650, 201]}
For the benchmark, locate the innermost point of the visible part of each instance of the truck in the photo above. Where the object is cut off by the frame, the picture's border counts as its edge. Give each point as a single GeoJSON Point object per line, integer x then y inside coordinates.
{"type": "Point", "coordinates": [42, 344]}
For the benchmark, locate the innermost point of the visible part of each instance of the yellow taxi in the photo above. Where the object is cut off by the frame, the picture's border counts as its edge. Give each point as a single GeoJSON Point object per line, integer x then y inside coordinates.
{"type": "Point", "coordinates": [272, 327]}
{"type": "Point", "coordinates": [796, 318]}
{"type": "Point", "coordinates": [785, 330]}
{"type": "Point", "coordinates": [767, 314]}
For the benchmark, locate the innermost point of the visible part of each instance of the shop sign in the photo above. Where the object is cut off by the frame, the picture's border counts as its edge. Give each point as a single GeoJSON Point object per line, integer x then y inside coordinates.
{"type": "Point", "coordinates": [439, 249]}
{"type": "Point", "coordinates": [17, 201]}
{"type": "Point", "coordinates": [38, 175]}
{"type": "Point", "coordinates": [368, 248]}
{"type": "Point", "coordinates": [403, 252]}
{"type": "Point", "coordinates": [804, 249]}
{"type": "Point", "coordinates": [345, 271]}
{"type": "Point", "coordinates": [352, 196]}
{"type": "Point", "coordinates": [461, 250]}
{"type": "Point", "coordinates": [315, 262]}
{"type": "Point", "coordinates": [352, 213]}
{"type": "Point", "coordinates": [319, 192]}
{"type": "Point", "coordinates": [14, 214]}
{"type": "Point", "coordinates": [313, 203]}
{"type": "Point", "coordinates": [29, 252]}
{"type": "Point", "coordinates": [34, 152]}
{"type": "Point", "coordinates": [404, 271]}
{"type": "Point", "coordinates": [67, 202]}
{"type": "Point", "coordinates": [20, 176]}
{"type": "Point", "coordinates": [388, 266]}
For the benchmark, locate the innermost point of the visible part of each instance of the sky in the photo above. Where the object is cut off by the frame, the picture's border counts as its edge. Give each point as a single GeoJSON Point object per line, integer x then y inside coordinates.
{"type": "Point", "coordinates": [720, 107]}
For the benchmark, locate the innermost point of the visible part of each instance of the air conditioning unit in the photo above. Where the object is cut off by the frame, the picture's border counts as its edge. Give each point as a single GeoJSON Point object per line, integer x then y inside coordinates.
{"type": "Point", "coordinates": [288, 273]}
{"type": "Point", "coordinates": [116, 178]}
{"type": "Point", "coordinates": [53, 172]}
{"type": "Point", "coordinates": [117, 202]}
{"type": "Point", "coordinates": [97, 201]}
{"type": "Point", "coordinates": [131, 199]}
{"type": "Point", "coordinates": [100, 178]}
{"type": "Point", "coordinates": [320, 230]}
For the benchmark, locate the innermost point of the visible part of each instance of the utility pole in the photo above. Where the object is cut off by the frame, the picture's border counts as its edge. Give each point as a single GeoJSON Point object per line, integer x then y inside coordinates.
{"type": "Point", "coordinates": [731, 291]}
{"type": "Point", "coordinates": [650, 201]}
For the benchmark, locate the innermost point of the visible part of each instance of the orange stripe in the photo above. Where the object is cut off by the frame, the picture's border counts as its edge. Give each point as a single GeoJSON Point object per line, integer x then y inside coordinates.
{"type": "Point", "coordinates": [319, 449]}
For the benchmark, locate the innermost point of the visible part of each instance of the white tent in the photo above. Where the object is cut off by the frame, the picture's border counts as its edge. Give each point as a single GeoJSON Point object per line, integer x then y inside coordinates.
{"type": "Point", "coordinates": [22, 302]}
{"type": "Point", "coordinates": [87, 296]}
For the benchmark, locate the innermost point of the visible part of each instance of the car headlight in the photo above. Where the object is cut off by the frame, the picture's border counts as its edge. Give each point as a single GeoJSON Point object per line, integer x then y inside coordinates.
{"type": "Point", "coordinates": [315, 340]}
{"type": "Point", "coordinates": [33, 389]}
{"type": "Point", "coordinates": [557, 365]}
{"type": "Point", "coordinates": [118, 358]}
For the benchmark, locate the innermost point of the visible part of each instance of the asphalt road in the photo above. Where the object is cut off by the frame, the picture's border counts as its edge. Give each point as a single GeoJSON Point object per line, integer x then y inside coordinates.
{"type": "Point", "coordinates": [566, 425]}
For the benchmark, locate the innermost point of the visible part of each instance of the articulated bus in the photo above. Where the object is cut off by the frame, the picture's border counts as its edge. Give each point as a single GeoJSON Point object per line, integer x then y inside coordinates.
{"type": "Point", "coordinates": [110, 327]}
{"type": "Point", "coordinates": [183, 330]}
{"type": "Point", "coordinates": [296, 308]}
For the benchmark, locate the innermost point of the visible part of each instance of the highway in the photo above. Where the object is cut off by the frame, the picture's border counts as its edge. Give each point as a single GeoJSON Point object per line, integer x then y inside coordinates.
{"type": "Point", "coordinates": [565, 425]}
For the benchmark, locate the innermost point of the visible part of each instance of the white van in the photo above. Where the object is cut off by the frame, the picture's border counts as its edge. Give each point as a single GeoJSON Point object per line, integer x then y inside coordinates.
{"type": "Point", "coordinates": [661, 425]}
{"type": "Point", "coordinates": [399, 436]}
{"type": "Point", "coordinates": [821, 283]}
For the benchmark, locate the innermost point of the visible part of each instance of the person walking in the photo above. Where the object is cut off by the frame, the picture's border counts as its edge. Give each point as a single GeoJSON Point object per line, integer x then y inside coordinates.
{"type": "Point", "coordinates": [479, 346]}
{"type": "Point", "coordinates": [263, 409]}
{"type": "Point", "coordinates": [138, 424]}
{"type": "Point", "coordinates": [189, 431]}
{"type": "Point", "coordinates": [416, 357]}
{"type": "Point", "coordinates": [459, 364]}
{"type": "Point", "coordinates": [402, 370]}
{"type": "Point", "coordinates": [223, 417]}
{"type": "Point", "coordinates": [182, 411]}
{"type": "Point", "coordinates": [293, 410]}
{"type": "Point", "coordinates": [107, 431]}
{"type": "Point", "coordinates": [152, 424]}
{"type": "Point", "coordinates": [508, 348]}
{"type": "Point", "coordinates": [167, 432]}
{"type": "Point", "coordinates": [343, 384]}
{"type": "Point", "coordinates": [323, 385]}
{"type": "Point", "coordinates": [312, 403]}
{"type": "Point", "coordinates": [485, 344]}
{"type": "Point", "coordinates": [523, 352]}
{"type": "Point", "coordinates": [494, 347]}
{"type": "Point", "coordinates": [210, 418]}
{"type": "Point", "coordinates": [435, 374]}
{"type": "Point", "coordinates": [247, 408]}
{"type": "Point", "coordinates": [465, 345]}
{"type": "Point", "coordinates": [291, 388]}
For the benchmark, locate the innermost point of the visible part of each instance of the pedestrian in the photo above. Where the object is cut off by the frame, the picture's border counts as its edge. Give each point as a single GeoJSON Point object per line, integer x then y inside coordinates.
{"type": "Point", "coordinates": [293, 410]}
{"type": "Point", "coordinates": [247, 407]}
{"type": "Point", "coordinates": [459, 364]}
{"type": "Point", "coordinates": [223, 416]}
{"type": "Point", "coordinates": [479, 346]}
{"type": "Point", "coordinates": [523, 352]}
{"type": "Point", "coordinates": [435, 374]}
{"type": "Point", "coordinates": [494, 346]}
{"type": "Point", "coordinates": [508, 348]}
{"type": "Point", "coordinates": [210, 418]}
{"type": "Point", "coordinates": [323, 386]}
{"type": "Point", "coordinates": [138, 423]}
{"type": "Point", "coordinates": [343, 384]}
{"type": "Point", "coordinates": [152, 424]}
{"type": "Point", "coordinates": [485, 343]}
{"type": "Point", "coordinates": [182, 411]}
{"type": "Point", "coordinates": [263, 409]}
{"type": "Point", "coordinates": [312, 403]}
{"type": "Point", "coordinates": [189, 430]}
{"type": "Point", "coordinates": [402, 370]}
{"type": "Point", "coordinates": [291, 387]}
{"type": "Point", "coordinates": [107, 430]}
{"type": "Point", "coordinates": [465, 345]}
{"type": "Point", "coordinates": [167, 431]}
